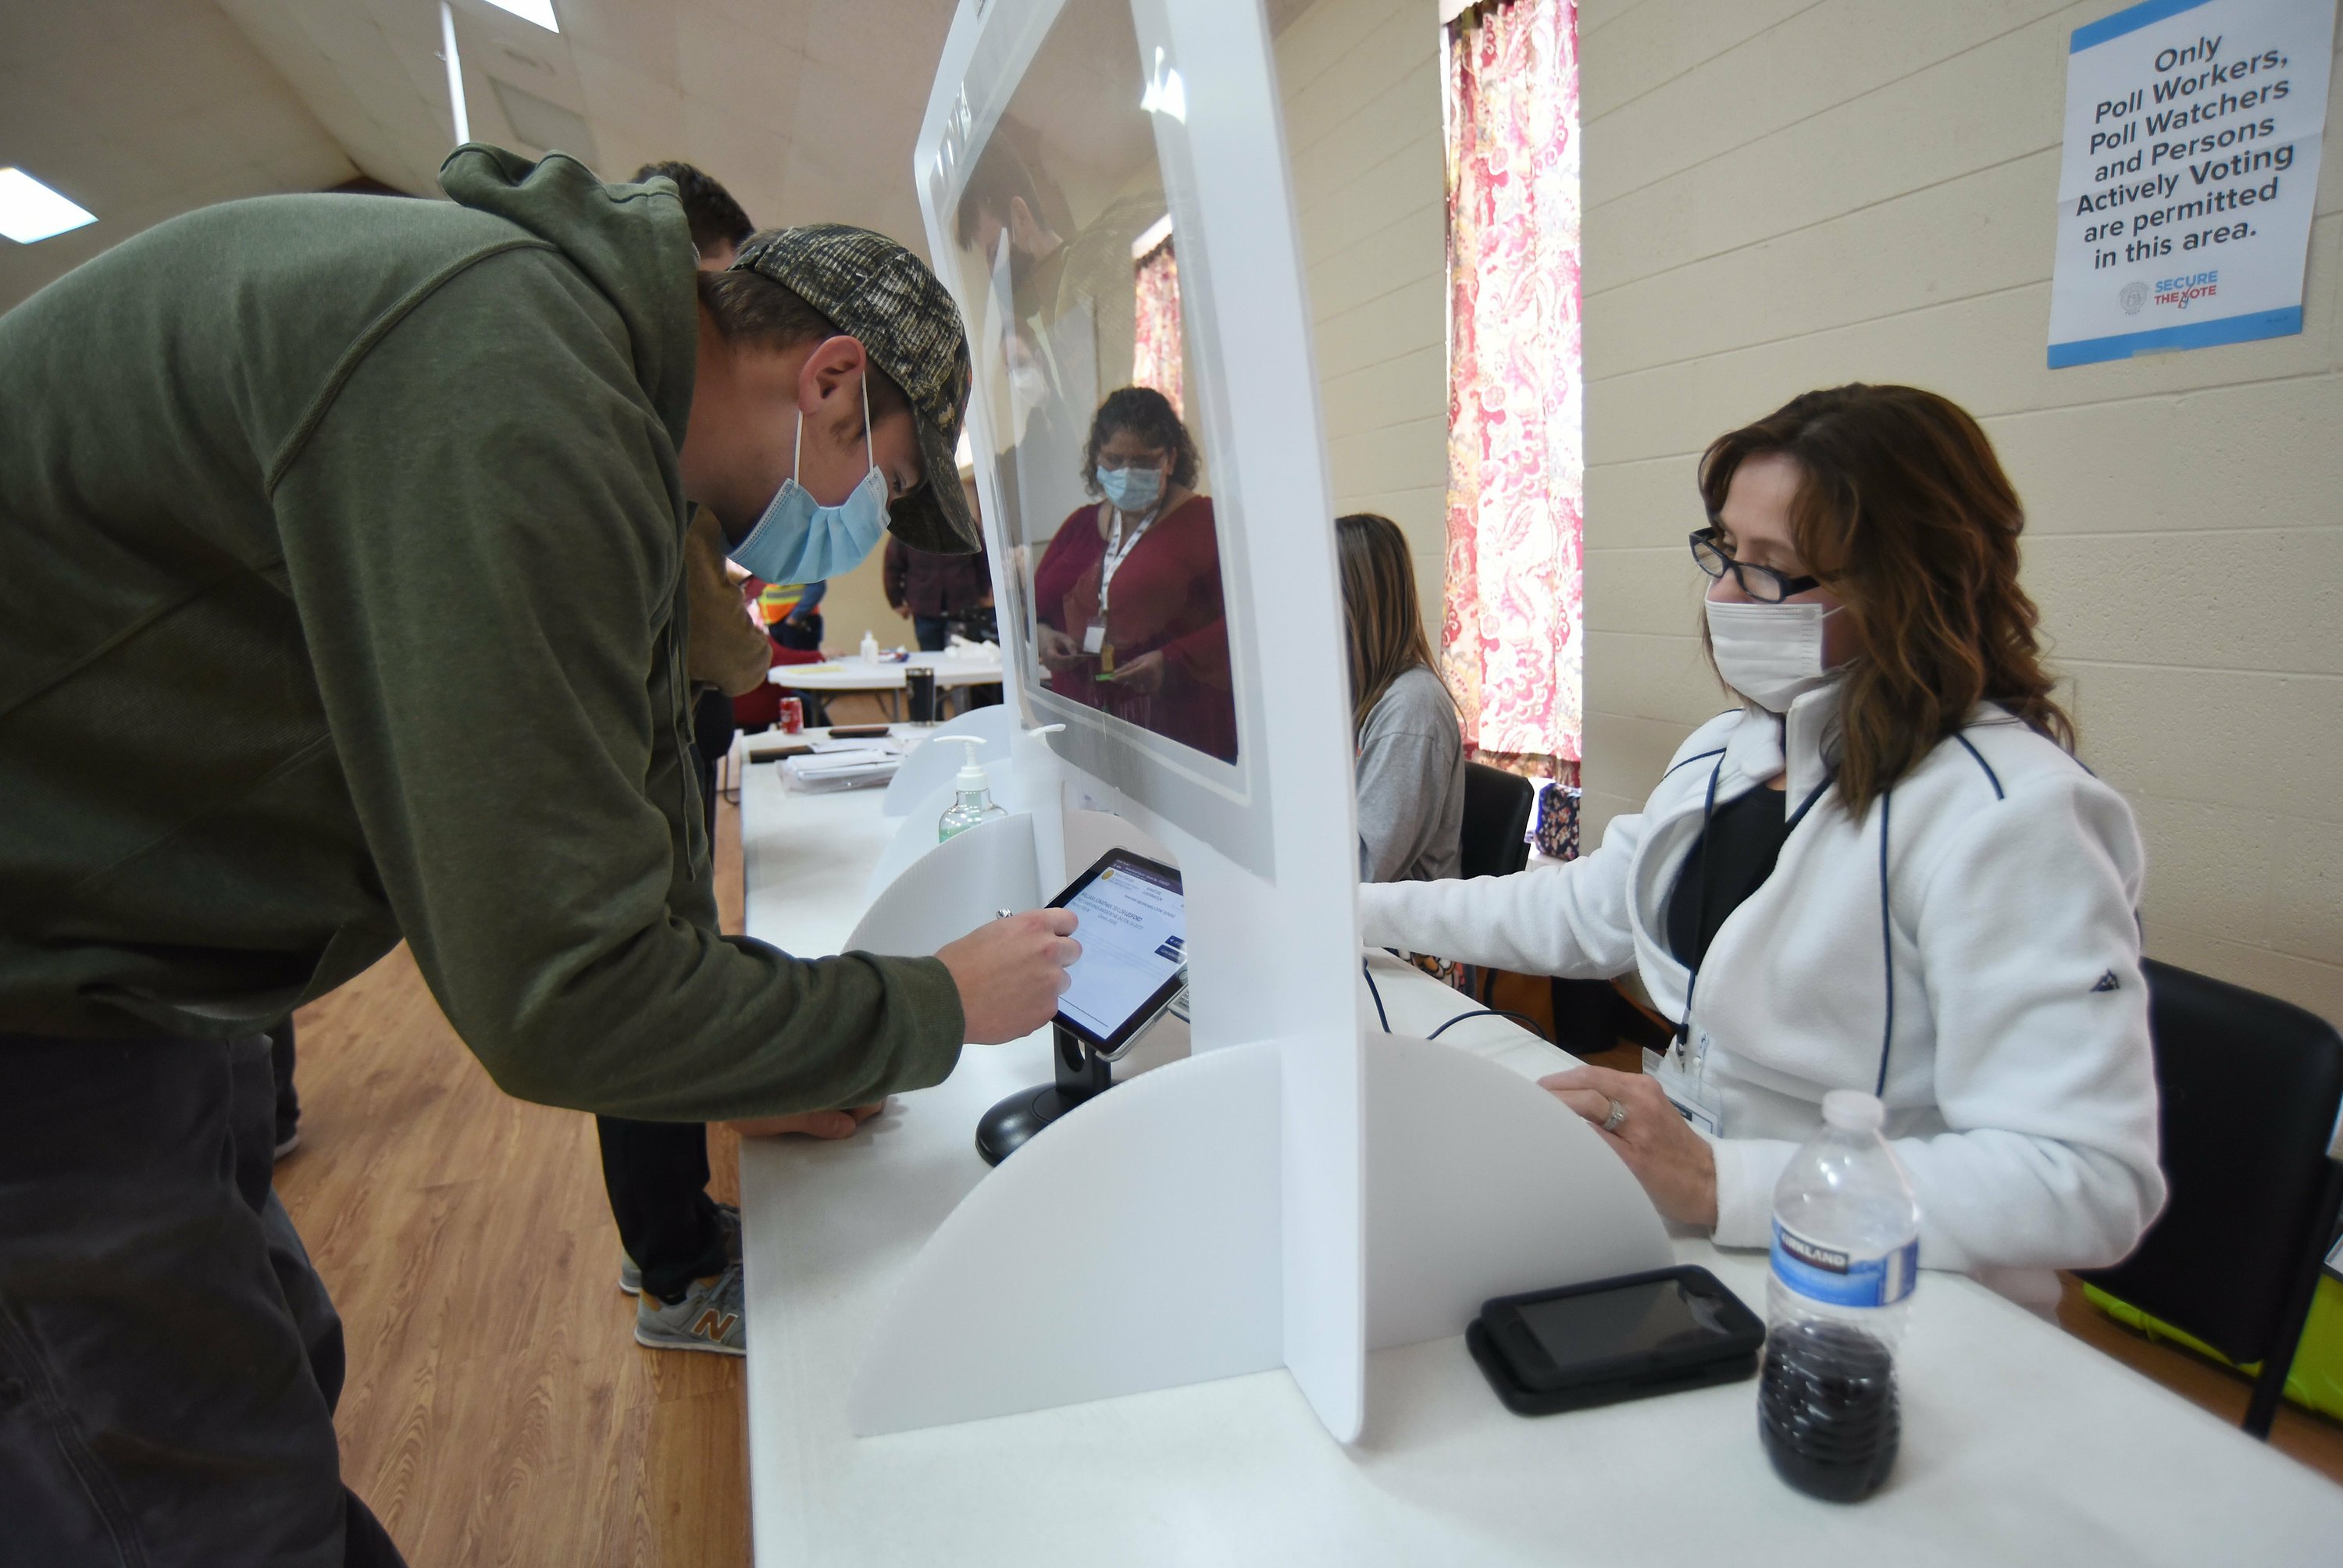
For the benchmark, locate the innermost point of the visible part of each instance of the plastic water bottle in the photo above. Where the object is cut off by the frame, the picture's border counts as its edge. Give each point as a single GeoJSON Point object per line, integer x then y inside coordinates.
{"type": "Point", "coordinates": [869, 648]}
{"type": "Point", "coordinates": [1846, 1250]}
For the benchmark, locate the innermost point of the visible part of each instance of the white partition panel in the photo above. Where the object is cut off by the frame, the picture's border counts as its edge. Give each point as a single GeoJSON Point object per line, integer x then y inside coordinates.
{"type": "Point", "coordinates": [1133, 1245]}
{"type": "Point", "coordinates": [1064, 145]}
{"type": "Point", "coordinates": [1136, 1242]}
{"type": "Point", "coordinates": [951, 889]}
{"type": "Point", "coordinates": [1480, 1184]}
{"type": "Point", "coordinates": [930, 766]}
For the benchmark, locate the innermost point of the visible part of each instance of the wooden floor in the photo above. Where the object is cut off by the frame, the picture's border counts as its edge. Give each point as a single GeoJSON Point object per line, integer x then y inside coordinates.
{"type": "Point", "coordinates": [498, 1409]}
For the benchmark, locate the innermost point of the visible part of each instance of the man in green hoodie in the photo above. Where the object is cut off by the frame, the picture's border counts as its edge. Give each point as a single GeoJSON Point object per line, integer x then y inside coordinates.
{"type": "Point", "coordinates": [341, 603]}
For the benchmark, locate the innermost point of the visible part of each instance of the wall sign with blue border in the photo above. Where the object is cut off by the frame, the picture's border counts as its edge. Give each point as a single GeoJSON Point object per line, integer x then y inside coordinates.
{"type": "Point", "coordinates": [2188, 176]}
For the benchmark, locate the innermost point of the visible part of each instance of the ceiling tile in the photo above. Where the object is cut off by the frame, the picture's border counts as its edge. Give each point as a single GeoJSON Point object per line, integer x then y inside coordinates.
{"type": "Point", "coordinates": [879, 38]}
{"type": "Point", "coordinates": [739, 153]}
{"type": "Point", "coordinates": [638, 33]}
{"type": "Point", "coordinates": [754, 78]}
{"type": "Point", "coordinates": [615, 91]}
{"type": "Point", "coordinates": [142, 110]}
{"type": "Point", "coordinates": [783, 22]}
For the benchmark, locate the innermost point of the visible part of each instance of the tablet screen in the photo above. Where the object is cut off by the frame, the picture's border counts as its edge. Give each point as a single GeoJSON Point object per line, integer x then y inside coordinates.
{"type": "Point", "coordinates": [1134, 937]}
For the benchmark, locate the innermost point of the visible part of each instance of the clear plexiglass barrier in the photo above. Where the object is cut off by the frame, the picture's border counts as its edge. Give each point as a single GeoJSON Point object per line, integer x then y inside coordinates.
{"type": "Point", "coordinates": [1068, 257]}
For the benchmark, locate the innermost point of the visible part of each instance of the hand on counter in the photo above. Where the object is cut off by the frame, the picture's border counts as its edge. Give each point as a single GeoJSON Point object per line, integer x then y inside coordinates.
{"type": "Point", "coordinates": [1011, 972]}
{"type": "Point", "coordinates": [1675, 1164]}
{"type": "Point", "coordinates": [827, 1125]}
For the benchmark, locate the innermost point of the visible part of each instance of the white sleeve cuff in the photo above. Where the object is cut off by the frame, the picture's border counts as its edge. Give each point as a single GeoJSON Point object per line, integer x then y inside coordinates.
{"type": "Point", "coordinates": [1747, 1169]}
{"type": "Point", "coordinates": [1378, 903]}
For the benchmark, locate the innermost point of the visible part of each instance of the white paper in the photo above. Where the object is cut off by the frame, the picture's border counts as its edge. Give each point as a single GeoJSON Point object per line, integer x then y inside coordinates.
{"type": "Point", "coordinates": [2188, 177]}
{"type": "Point", "coordinates": [829, 745]}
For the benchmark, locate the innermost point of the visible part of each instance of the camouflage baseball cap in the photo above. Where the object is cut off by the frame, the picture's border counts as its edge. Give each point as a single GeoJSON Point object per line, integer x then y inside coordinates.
{"type": "Point", "coordinates": [885, 298]}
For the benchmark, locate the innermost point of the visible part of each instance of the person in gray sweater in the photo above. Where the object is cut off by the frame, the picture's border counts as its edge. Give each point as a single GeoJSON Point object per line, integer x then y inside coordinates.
{"type": "Point", "coordinates": [1411, 756]}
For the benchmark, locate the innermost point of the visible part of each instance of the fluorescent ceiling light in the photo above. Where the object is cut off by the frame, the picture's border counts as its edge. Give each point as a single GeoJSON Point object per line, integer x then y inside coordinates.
{"type": "Point", "coordinates": [31, 211]}
{"type": "Point", "coordinates": [463, 114]}
{"type": "Point", "coordinates": [537, 11]}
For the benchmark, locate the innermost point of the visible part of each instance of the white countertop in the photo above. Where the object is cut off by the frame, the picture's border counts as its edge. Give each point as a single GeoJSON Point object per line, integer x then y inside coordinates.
{"type": "Point", "coordinates": [2020, 1443]}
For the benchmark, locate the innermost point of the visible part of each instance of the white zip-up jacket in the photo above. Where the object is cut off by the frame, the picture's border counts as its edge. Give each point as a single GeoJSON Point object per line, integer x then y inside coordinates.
{"type": "Point", "coordinates": [1968, 949]}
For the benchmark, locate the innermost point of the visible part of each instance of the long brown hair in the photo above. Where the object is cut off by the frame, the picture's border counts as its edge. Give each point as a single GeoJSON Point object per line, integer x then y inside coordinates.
{"type": "Point", "coordinates": [1378, 610]}
{"type": "Point", "coordinates": [1903, 512]}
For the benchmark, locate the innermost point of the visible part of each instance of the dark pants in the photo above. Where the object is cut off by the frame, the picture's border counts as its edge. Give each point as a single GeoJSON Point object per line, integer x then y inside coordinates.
{"type": "Point", "coordinates": [169, 1360]}
{"type": "Point", "coordinates": [803, 635]}
{"type": "Point", "coordinates": [931, 631]}
{"type": "Point", "coordinates": [656, 1173]}
{"type": "Point", "coordinates": [280, 1067]}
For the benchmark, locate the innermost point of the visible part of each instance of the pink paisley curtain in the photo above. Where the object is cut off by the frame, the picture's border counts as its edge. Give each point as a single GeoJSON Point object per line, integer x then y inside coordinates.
{"type": "Point", "coordinates": [1512, 637]}
{"type": "Point", "coordinates": [1155, 359]}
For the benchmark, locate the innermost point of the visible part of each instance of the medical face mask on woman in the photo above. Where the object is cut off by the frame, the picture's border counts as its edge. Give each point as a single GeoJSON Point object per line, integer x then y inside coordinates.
{"type": "Point", "coordinates": [800, 540]}
{"type": "Point", "coordinates": [1133, 489]}
{"type": "Point", "coordinates": [1770, 653]}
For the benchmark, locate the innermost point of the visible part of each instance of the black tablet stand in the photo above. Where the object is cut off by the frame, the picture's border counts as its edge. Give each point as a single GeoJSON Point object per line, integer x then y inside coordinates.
{"type": "Point", "coordinates": [1082, 1074]}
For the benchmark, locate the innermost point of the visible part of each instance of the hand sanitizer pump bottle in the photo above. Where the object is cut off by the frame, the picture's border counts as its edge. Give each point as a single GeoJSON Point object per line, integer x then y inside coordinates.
{"type": "Point", "coordinates": [972, 801]}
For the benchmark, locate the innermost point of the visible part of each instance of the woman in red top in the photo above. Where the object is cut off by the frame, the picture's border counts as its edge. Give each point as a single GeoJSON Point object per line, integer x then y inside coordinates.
{"type": "Point", "coordinates": [1127, 595]}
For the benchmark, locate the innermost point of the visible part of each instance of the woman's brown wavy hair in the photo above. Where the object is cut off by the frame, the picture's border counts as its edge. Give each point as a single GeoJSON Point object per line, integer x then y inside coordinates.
{"type": "Point", "coordinates": [1903, 512]}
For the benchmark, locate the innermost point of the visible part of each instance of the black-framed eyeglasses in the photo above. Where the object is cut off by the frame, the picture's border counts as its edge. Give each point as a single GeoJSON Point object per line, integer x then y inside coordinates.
{"type": "Point", "coordinates": [1763, 584]}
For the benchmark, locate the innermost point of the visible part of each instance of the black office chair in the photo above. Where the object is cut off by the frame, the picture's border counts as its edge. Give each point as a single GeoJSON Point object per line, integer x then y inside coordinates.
{"type": "Point", "coordinates": [2250, 1088]}
{"type": "Point", "coordinates": [1496, 838]}
{"type": "Point", "coordinates": [1495, 842]}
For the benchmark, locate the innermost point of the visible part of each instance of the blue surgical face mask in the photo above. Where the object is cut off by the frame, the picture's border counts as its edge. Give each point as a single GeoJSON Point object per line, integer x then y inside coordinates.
{"type": "Point", "coordinates": [800, 540]}
{"type": "Point", "coordinates": [1132, 490]}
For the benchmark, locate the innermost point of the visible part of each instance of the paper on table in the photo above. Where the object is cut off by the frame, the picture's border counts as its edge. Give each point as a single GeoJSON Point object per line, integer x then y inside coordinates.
{"type": "Point", "coordinates": [834, 744]}
{"type": "Point", "coordinates": [841, 769]}
{"type": "Point", "coordinates": [844, 762]}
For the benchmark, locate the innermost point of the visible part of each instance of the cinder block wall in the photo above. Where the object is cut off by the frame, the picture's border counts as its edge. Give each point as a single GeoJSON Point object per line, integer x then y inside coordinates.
{"type": "Point", "coordinates": [1360, 81]}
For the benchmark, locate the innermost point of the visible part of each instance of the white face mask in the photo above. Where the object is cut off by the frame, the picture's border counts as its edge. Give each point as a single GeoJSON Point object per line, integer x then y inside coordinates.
{"type": "Point", "coordinates": [1770, 654]}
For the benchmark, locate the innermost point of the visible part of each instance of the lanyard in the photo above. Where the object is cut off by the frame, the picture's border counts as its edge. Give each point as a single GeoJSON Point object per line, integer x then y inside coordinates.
{"type": "Point", "coordinates": [1118, 550]}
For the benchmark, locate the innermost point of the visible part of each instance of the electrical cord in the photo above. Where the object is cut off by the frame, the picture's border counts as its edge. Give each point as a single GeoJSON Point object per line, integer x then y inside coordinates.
{"type": "Point", "coordinates": [1522, 1018]}
{"type": "Point", "coordinates": [1382, 1016]}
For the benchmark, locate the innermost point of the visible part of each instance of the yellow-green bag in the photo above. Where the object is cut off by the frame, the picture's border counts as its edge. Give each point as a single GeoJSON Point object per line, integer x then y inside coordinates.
{"type": "Point", "coordinates": [2315, 1379]}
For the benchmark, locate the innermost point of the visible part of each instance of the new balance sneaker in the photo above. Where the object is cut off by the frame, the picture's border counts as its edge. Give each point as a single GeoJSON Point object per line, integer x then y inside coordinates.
{"type": "Point", "coordinates": [631, 1274]}
{"type": "Point", "coordinates": [711, 1316]}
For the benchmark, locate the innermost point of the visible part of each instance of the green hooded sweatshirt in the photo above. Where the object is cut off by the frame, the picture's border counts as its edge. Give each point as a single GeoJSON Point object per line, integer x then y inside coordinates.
{"type": "Point", "coordinates": [341, 601]}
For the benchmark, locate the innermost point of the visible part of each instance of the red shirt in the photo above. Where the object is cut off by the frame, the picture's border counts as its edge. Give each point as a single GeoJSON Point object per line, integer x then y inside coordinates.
{"type": "Point", "coordinates": [1166, 597]}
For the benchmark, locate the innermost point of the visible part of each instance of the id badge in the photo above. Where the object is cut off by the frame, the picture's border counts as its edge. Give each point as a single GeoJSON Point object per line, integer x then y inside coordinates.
{"type": "Point", "coordinates": [1094, 639]}
{"type": "Point", "coordinates": [1686, 1089]}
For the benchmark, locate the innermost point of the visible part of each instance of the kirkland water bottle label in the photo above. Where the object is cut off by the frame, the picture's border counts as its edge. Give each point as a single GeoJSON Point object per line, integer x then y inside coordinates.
{"type": "Point", "coordinates": [1829, 1274]}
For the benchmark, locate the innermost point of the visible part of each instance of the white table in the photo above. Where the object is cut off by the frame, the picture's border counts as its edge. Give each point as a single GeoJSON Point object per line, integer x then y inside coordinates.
{"type": "Point", "coordinates": [2020, 1444]}
{"type": "Point", "coordinates": [888, 678]}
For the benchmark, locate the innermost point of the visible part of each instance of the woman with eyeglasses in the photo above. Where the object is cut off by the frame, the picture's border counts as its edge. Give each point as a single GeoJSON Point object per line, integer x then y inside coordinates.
{"type": "Point", "coordinates": [1885, 870]}
{"type": "Point", "coordinates": [1127, 598]}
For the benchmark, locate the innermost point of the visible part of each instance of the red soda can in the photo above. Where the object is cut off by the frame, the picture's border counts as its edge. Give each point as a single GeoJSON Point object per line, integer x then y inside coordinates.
{"type": "Point", "coordinates": [792, 715]}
